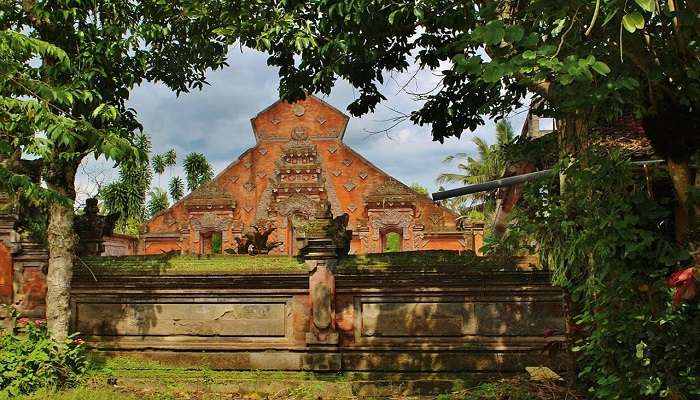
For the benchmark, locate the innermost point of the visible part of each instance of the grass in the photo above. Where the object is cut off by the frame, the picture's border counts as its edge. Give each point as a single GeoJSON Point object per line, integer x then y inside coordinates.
{"type": "Point", "coordinates": [424, 261]}
{"type": "Point", "coordinates": [125, 378]}
{"type": "Point", "coordinates": [190, 264]}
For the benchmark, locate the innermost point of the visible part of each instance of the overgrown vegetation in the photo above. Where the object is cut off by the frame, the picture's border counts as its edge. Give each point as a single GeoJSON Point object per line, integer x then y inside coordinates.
{"type": "Point", "coordinates": [609, 241]}
{"type": "Point", "coordinates": [30, 360]}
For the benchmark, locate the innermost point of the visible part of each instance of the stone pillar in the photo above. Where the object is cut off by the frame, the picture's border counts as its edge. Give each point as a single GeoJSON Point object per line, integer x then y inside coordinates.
{"type": "Point", "coordinates": [321, 258]}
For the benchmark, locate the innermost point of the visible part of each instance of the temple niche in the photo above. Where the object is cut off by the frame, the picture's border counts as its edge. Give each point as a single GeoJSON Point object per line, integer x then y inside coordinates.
{"type": "Point", "coordinates": [300, 162]}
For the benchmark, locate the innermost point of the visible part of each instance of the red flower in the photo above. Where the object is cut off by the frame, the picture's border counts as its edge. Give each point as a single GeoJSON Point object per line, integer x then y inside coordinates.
{"type": "Point", "coordinates": [78, 341]}
{"type": "Point", "coordinates": [39, 322]}
{"type": "Point", "coordinates": [23, 321]}
{"type": "Point", "coordinates": [685, 284]}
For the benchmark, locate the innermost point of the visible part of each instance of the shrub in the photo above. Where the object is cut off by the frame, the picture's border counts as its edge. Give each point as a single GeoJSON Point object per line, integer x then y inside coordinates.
{"type": "Point", "coordinates": [609, 242]}
{"type": "Point", "coordinates": [31, 360]}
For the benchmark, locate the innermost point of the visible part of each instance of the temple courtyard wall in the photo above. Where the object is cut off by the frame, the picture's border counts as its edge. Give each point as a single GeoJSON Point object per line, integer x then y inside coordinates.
{"type": "Point", "coordinates": [390, 313]}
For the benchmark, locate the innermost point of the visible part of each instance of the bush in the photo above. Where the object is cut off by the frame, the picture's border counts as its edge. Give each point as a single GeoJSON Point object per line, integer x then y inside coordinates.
{"type": "Point", "coordinates": [609, 242]}
{"type": "Point", "coordinates": [31, 360]}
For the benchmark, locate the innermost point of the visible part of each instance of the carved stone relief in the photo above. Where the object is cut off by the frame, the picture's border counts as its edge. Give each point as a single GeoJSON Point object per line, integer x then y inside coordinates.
{"type": "Point", "coordinates": [297, 203]}
{"type": "Point", "coordinates": [262, 151]}
{"type": "Point", "coordinates": [209, 221]}
{"type": "Point", "coordinates": [332, 148]}
{"type": "Point", "coordinates": [349, 186]}
{"type": "Point", "coordinates": [298, 110]}
{"type": "Point", "coordinates": [362, 175]}
{"type": "Point", "coordinates": [388, 218]}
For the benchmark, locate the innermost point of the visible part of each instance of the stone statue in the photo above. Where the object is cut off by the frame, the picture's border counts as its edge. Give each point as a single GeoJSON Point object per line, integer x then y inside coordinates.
{"type": "Point", "coordinates": [337, 230]}
{"type": "Point", "coordinates": [255, 241]}
{"type": "Point", "coordinates": [92, 227]}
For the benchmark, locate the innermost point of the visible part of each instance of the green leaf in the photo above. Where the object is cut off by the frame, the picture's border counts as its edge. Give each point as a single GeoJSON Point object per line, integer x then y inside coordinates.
{"type": "Point", "coordinates": [640, 350]}
{"type": "Point", "coordinates": [633, 21]}
{"type": "Point", "coordinates": [418, 13]}
{"type": "Point", "coordinates": [514, 34]}
{"type": "Point", "coordinates": [529, 55]}
{"type": "Point", "coordinates": [601, 68]}
{"type": "Point", "coordinates": [646, 5]}
{"type": "Point", "coordinates": [494, 32]}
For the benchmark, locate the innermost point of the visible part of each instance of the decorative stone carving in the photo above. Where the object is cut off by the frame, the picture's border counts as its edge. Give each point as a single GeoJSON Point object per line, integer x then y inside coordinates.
{"type": "Point", "coordinates": [248, 209]}
{"type": "Point", "coordinates": [209, 197]}
{"type": "Point", "coordinates": [248, 164]}
{"type": "Point", "coordinates": [297, 203]}
{"type": "Point", "coordinates": [275, 119]}
{"type": "Point", "coordinates": [262, 151]}
{"type": "Point", "coordinates": [352, 207]}
{"type": "Point", "coordinates": [349, 186]}
{"type": "Point", "coordinates": [336, 172]}
{"type": "Point", "coordinates": [249, 186]}
{"type": "Point", "coordinates": [391, 191]}
{"type": "Point", "coordinates": [436, 219]}
{"type": "Point", "coordinates": [299, 133]}
{"type": "Point", "coordinates": [363, 175]}
{"type": "Point", "coordinates": [332, 148]}
{"type": "Point", "coordinates": [209, 222]}
{"type": "Point", "coordinates": [389, 218]}
{"type": "Point", "coordinates": [261, 175]}
{"type": "Point", "coordinates": [347, 162]}
{"type": "Point", "coordinates": [298, 110]}
{"type": "Point", "coordinates": [233, 179]}
{"type": "Point", "coordinates": [321, 120]}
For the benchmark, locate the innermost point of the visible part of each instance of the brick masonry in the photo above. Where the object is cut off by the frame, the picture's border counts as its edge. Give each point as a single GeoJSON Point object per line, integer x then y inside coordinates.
{"type": "Point", "coordinates": [474, 321]}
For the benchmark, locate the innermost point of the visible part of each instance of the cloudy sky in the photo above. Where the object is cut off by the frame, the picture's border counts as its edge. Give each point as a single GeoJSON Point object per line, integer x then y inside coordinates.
{"type": "Point", "coordinates": [216, 122]}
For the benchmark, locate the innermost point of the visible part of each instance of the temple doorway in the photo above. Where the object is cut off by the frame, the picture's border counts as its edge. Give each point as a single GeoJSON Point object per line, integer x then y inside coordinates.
{"type": "Point", "coordinates": [210, 242]}
{"type": "Point", "coordinates": [391, 241]}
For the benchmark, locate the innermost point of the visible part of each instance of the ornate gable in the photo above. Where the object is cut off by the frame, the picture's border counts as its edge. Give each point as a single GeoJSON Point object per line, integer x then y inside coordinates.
{"type": "Point", "coordinates": [209, 197]}
{"type": "Point", "coordinates": [390, 194]}
{"type": "Point", "coordinates": [317, 118]}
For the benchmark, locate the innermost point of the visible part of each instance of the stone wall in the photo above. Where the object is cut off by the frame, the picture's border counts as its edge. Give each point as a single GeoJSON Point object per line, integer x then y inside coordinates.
{"type": "Point", "coordinates": [459, 319]}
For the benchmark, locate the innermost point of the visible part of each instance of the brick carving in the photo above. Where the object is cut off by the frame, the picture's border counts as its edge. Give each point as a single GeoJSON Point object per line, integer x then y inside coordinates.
{"type": "Point", "coordinates": [390, 218]}
{"type": "Point", "coordinates": [299, 158]}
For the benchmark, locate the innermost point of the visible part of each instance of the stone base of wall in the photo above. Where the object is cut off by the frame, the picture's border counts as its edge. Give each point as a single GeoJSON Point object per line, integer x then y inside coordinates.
{"type": "Point", "coordinates": [466, 322]}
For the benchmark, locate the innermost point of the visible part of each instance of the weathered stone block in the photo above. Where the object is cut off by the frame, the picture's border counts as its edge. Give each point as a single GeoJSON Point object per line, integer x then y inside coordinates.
{"type": "Point", "coordinates": [322, 362]}
{"type": "Point", "coordinates": [203, 319]}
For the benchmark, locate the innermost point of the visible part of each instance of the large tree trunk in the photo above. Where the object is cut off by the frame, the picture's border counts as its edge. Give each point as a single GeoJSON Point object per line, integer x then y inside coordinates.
{"type": "Point", "coordinates": [61, 238]}
{"type": "Point", "coordinates": [574, 137]}
{"type": "Point", "coordinates": [680, 176]}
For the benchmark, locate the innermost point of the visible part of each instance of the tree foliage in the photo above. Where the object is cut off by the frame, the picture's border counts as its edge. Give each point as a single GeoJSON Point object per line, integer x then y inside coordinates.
{"type": "Point", "coordinates": [177, 188]}
{"type": "Point", "coordinates": [609, 241]}
{"type": "Point", "coordinates": [157, 202]}
{"type": "Point", "coordinates": [586, 58]}
{"type": "Point", "coordinates": [489, 164]}
{"type": "Point", "coordinates": [197, 170]}
{"type": "Point", "coordinates": [127, 195]}
{"type": "Point", "coordinates": [107, 47]}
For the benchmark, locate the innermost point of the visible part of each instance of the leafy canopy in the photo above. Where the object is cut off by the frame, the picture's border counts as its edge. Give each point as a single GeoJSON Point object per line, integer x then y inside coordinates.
{"type": "Point", "coordinates": [592, 58]}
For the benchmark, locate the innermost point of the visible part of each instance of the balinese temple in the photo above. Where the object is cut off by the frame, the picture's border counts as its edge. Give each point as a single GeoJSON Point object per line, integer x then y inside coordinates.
{"type": "Point", "coordinates": [299, 159]}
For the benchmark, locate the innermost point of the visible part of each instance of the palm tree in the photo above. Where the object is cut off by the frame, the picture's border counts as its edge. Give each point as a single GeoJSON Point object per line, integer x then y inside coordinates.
{"type": "Point", "coordinates": [197, 170]}
{"type": "Point", "coordinates": [177, 188]}
{"type": "Point", "coordinates": [157, 202]}
{"type": "Point", "coordinates": [489, 164]}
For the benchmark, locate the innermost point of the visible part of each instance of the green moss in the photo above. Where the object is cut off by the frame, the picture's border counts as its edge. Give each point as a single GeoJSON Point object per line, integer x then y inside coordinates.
{"type": "Point", "coordinates": [426, 261]}
{"type": "Point", "coordinates": [213, 264]}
